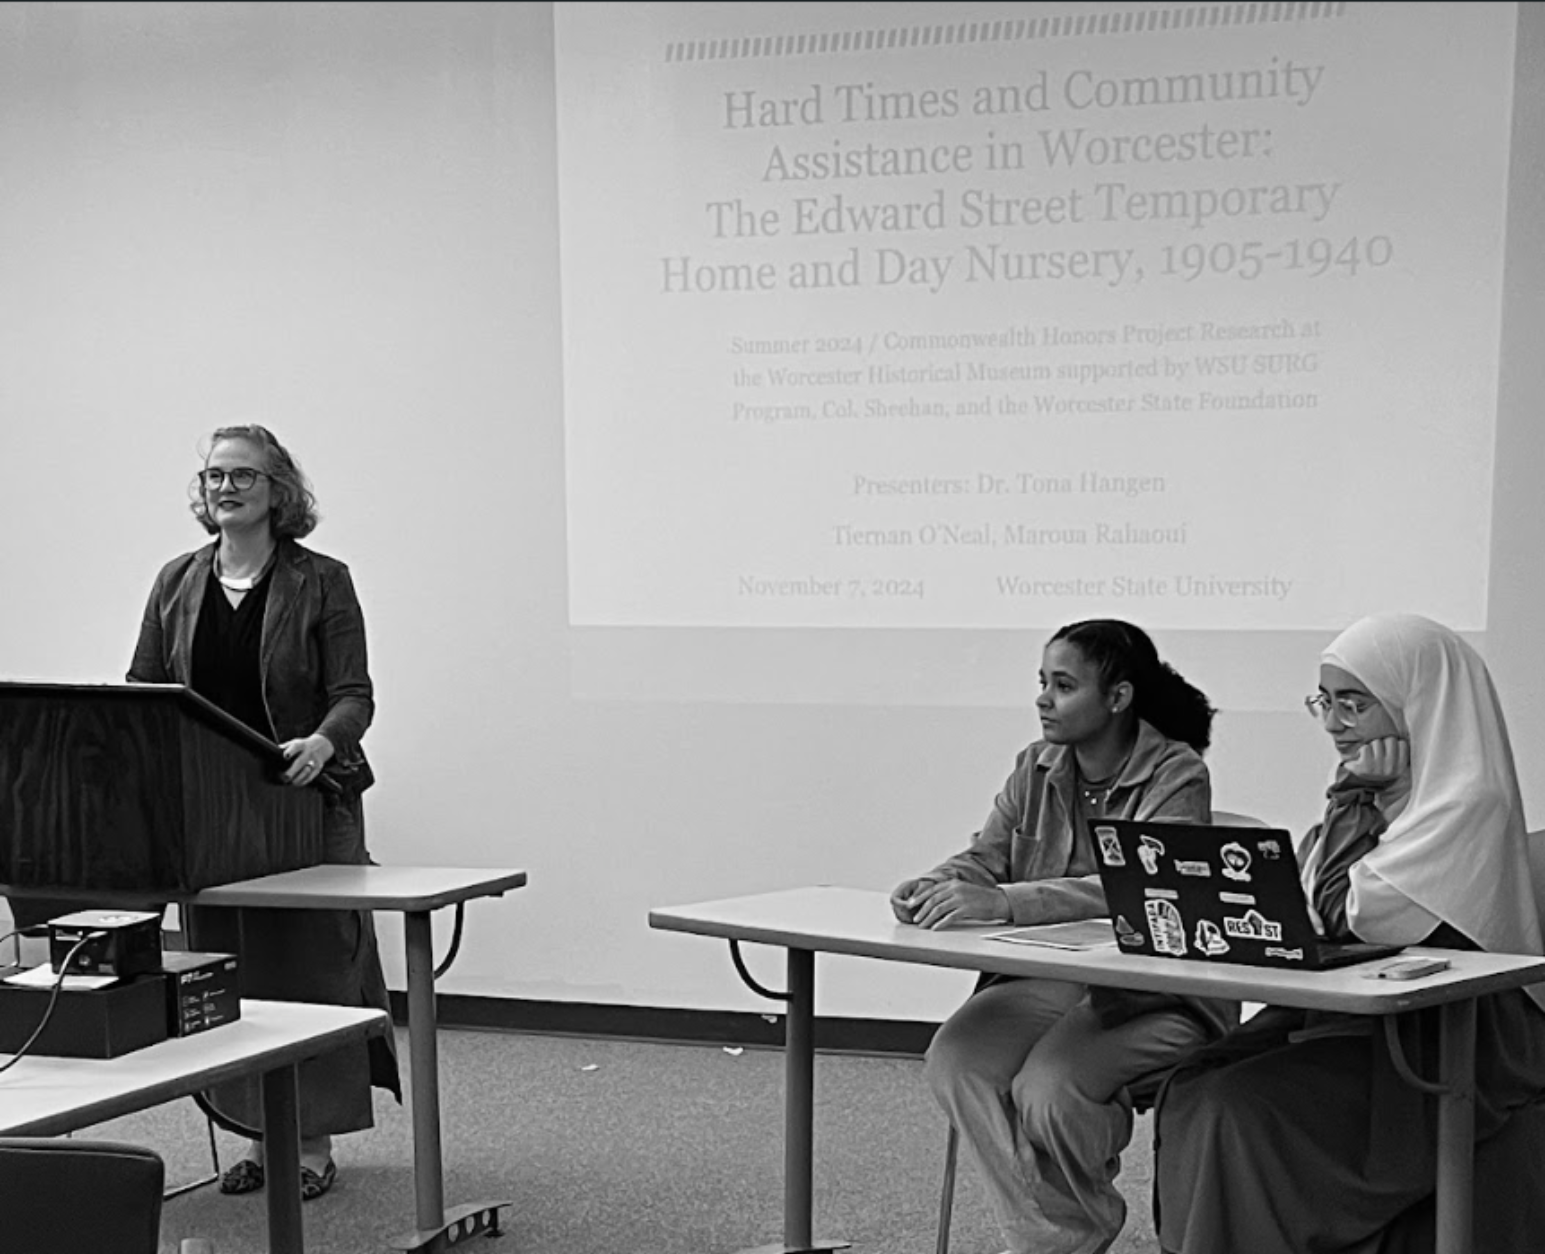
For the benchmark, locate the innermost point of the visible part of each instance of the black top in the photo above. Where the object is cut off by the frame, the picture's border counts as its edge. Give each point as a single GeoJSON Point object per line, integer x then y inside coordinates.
{"type": "Point", "coordinates": [227, 646]}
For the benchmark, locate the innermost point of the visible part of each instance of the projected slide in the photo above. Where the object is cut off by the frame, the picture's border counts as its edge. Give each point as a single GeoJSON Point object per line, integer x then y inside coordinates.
{"type": "Point", "coordinates": [976, 315]}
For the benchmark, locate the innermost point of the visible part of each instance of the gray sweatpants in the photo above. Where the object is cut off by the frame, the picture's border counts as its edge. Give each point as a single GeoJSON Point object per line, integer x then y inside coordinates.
{"type": "Point", "coordinates": [1037, 1089]}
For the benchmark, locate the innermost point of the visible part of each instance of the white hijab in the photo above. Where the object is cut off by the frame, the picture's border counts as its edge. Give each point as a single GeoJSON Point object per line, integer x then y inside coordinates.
{"type": "Point", "coordinates": [1457, 847]}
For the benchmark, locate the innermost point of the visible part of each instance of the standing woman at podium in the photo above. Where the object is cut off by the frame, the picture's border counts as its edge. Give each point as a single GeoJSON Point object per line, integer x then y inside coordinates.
{"type": "Point", "coordinates": [272, 633]}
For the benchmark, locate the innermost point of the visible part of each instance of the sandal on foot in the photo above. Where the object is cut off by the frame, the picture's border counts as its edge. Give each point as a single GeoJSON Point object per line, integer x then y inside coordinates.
{"type": "Point", "coordinates": [313, 1185]}
{"type": "Point", "coordinates": [245, 1177]}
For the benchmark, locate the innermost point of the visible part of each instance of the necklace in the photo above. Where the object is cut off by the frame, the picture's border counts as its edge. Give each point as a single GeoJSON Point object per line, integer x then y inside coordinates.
{"type": "Point", "coordinates": [241, 583]}
{"type": "Point", "coordinates": [1096, 792]}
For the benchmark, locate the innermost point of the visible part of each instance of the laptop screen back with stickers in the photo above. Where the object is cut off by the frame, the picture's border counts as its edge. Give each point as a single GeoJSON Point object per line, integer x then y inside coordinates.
{"type": "Point", "coordinates": [1218, 894]}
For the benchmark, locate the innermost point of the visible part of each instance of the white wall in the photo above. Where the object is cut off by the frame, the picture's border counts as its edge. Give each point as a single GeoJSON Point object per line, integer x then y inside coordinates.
{"type": "Point", "coordinates": [341, 220]}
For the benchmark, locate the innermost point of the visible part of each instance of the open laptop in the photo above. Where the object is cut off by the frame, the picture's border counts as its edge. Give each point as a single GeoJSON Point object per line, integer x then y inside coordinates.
{"type": "Point", "coordinates": [1221, 894]}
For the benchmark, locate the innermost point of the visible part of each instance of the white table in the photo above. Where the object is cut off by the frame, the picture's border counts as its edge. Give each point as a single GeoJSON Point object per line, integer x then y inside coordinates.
{"type": "Point", "coordinates": [45, 1096]}
{"type": "Point", "coordinates": [416, 891]}
{"type": "Point", "coordinates": [807, 921]}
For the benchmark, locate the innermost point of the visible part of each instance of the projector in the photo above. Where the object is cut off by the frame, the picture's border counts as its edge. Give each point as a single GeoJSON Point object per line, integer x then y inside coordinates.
{"type": "Point", "coordinates": [119, 943]}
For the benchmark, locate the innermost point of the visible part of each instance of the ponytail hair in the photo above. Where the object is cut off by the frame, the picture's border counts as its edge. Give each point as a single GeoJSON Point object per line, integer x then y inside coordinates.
{"type": "Point", "coordinates": [1122, 653]}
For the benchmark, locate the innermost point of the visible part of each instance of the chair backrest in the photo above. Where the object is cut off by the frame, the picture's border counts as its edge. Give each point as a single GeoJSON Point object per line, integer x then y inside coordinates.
{"type": "Point", "coordinates": [63, 1196]}
{"type": "Point", "coordinates": [1232, 818]}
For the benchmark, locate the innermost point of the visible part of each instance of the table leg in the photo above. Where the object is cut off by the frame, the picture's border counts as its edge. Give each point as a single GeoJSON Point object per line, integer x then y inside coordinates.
{"type": "Point", "coordinates": [281, 1159]}
{"type": "Point", "coordinates": [437, 1229]}
{"type": "Point", "coordinates": [799, 1101]}
{"type": "Point", "coordinates": [799, 1112]}
{"type": "Point", "coordinates": [424, 1070]}
{"type": "Point", "coordinates": [1456, 1129]}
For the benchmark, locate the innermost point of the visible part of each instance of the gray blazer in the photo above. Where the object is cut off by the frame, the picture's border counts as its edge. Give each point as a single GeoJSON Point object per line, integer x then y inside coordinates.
{"type": "Point", "coordinates": [312, 660]}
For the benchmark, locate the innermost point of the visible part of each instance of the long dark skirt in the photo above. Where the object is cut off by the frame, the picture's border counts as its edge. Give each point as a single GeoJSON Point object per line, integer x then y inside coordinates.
{"type": "Point", "coordinates": [320, 956]}
{"type": "Point", "coordinates": [1272, 1145]}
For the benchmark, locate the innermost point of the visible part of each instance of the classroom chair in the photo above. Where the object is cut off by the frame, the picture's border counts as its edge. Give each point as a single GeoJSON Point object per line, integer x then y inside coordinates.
{"type": "Point", "coordinates": [60, 1195]}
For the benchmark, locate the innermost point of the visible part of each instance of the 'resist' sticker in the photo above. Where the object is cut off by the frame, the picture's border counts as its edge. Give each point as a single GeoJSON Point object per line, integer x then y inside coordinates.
{"type": "Point", "coordinates": [1252, 926]}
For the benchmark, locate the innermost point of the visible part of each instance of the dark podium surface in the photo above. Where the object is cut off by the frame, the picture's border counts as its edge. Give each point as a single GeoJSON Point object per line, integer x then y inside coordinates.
{"type": "Point", "coordinates": [142, 788]}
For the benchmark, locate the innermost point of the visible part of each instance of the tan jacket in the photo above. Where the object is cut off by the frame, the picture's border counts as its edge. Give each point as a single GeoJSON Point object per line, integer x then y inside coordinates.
{"type": "Point", "coordinates": [1026, 845]}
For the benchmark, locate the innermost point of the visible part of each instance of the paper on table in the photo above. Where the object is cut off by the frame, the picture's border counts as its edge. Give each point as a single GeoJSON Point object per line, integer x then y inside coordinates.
{"type": "Point", "coordinates": [1080, 934]}
{"type": "Point", "coordinates": [44, 977]}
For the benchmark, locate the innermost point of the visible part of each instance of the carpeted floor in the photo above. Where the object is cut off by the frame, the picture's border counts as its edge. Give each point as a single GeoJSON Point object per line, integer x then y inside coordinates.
{"type": "Point", "coordinates": [620, 1147]}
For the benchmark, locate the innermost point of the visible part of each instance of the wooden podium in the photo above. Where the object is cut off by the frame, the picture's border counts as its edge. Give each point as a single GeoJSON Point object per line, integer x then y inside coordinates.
{"type": "Point", "coordinates": [141, 788]}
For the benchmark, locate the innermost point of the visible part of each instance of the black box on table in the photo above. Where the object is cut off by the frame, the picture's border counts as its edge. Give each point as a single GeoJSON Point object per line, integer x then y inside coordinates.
{"type": "Point", "coordinates": [202, 991]}
{"type": "Point", "coordinates": [86, 1022]}
{"type": "Point", "coordinates": [119, 943]}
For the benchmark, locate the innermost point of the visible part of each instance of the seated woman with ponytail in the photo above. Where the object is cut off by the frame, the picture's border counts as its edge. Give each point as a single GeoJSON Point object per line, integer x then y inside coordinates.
{"type": "Point", "coordinates": [1033, 1072]}
{"type": "Point", "coordinates": [1296, 1132]}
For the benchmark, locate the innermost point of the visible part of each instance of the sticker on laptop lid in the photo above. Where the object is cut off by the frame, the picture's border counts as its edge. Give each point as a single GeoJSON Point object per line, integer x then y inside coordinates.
{"type": "Point", "coordinates": [1276, 951]}
{"type": "Point", "coordinates": [1128, 935]}
{"type": "Point", "coordinates": [1149, 850]}
{"type": "Point", "coordinates": [1270, 848]}
{"type": "Point", "coordinates": [1202, 869]}
{"type": "Point", "coordinates": [1110, 847]}
{"type": "Point", "coordinates": [1210, 940]}
{"type": "Point", "coordinates": [1253, 925]}
{"type": "Point", "coordinates": [1236, 861]}
{"type": "Point", "coordinates": [1167, 927]}
{"type": "Point", "coordinates": [1237, 899]}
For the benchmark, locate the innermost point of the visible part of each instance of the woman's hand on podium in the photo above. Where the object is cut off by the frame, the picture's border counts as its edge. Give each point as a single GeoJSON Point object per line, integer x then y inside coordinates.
{"type": "Point", "coordinates": [307, 758]}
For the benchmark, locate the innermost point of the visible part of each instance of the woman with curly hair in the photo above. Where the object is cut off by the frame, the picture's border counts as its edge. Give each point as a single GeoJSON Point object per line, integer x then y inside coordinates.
{"type": "Point", "coordinates": [271, 632]}
{"type": "Point", "coordinates": [1035, 1073]}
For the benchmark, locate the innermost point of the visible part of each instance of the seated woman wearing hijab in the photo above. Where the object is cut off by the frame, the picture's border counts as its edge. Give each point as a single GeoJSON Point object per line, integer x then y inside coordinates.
{"type": "Point", "coordinates": [1035, 1073]}
{"type": "Point", "coordinates": [1295, 1132]}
